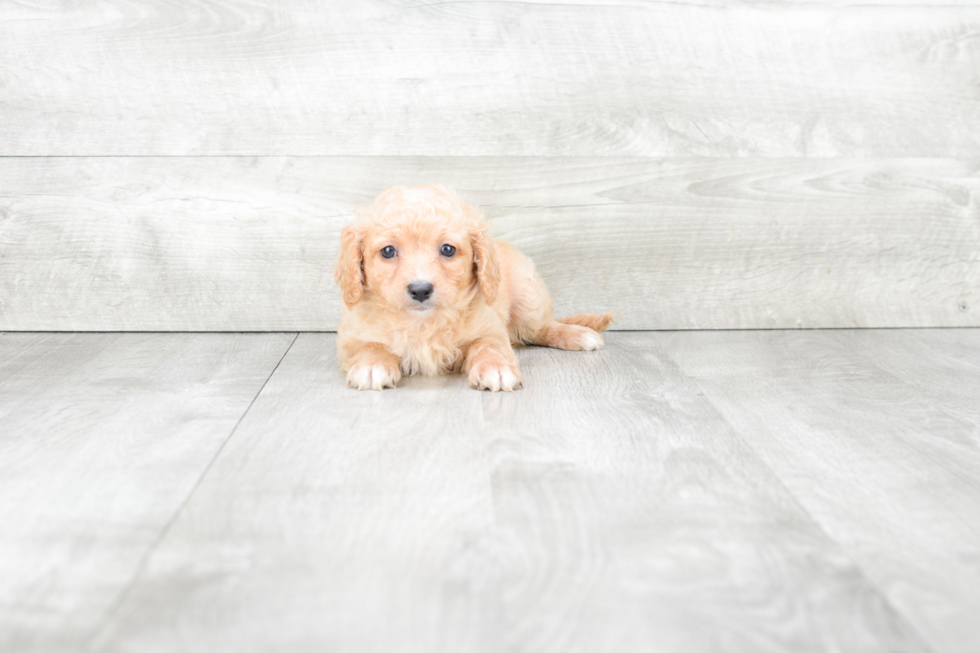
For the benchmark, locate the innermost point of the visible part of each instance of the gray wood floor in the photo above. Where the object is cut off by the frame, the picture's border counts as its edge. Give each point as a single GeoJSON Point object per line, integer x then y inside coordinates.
{"type": "Point", "coordinates": [676, 491]}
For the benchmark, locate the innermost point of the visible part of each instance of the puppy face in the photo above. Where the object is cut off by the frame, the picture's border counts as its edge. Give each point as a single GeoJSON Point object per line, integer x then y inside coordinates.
{"type": "Point", "coordinates": [418, 265]}
{"type": "Point", "coordinates": [416, 250]}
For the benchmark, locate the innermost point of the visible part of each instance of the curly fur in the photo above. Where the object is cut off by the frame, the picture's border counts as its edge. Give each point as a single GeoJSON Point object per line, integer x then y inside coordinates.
{"type": "Point", "coordinates": [485, 298]}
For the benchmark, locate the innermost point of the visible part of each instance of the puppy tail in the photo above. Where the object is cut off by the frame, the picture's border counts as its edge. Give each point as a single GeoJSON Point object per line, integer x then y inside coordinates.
{"type": "Point", "coordinates": [591, 320]}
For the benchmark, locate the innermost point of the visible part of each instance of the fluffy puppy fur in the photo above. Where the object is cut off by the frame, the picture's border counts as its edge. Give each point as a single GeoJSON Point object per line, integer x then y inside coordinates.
{"type": "Point", "coordinates": [428, 291]}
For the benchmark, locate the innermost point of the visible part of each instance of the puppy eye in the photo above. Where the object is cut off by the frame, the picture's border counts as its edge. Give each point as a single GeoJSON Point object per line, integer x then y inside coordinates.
{"type": "Point", "coordinates": [388, 252]}
{"type": "Point", "coordinates": [448, 251]}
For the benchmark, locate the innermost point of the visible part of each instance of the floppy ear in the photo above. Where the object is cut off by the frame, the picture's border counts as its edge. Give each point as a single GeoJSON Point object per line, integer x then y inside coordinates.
{"type": "Point", "coordinates": [485, 266]}
{"type": "Point", "coordinates": [350, 265]}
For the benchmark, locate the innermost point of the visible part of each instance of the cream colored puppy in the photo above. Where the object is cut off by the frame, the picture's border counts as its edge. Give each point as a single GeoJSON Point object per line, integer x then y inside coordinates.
{"type": "Point", "coordinates": [428, 291]}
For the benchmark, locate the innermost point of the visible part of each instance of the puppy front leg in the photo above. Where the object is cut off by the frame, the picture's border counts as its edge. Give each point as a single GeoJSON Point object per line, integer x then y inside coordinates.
{"type": "Point", "coordinates": [492, 365]}
{"type": "Point", "coordinates": [370, 366]}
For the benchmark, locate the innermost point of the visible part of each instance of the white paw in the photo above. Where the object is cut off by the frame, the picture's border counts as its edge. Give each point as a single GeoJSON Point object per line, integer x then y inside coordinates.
{"type": "Point", "coordinates": [496, 377]}
{"type": "Point", "coordinates": [591, 341]}
{"type": "Point", "coordinates": [377, 376]}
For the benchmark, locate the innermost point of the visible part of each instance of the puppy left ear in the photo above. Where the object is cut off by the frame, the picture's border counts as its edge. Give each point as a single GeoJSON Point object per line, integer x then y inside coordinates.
{"type": "Point", "coordinates": [485, 266]}
{"type": "Point", "coordinates": [350, 265]}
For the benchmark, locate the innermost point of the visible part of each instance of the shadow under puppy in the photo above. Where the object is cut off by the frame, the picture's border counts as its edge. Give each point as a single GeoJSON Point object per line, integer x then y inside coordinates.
{"type": "Point", "coordinates": [428, 291]}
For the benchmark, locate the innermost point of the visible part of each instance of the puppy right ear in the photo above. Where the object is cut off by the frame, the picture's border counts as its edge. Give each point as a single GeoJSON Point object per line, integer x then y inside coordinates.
{"type": "Point", "coordinates": [350, 265]}
{"type": "Point", "coordinates": [485, 263]}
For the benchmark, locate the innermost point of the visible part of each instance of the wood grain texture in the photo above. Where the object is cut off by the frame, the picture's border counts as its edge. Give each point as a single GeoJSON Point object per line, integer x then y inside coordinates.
{"type": "Point", "coordinates": [102, 438]}
{"type": "Point", "coordinates": [607, 507]}
{"type": "Point", "coordinates": [334, 520]}
{"type": "Point", "coordinates": [396, 77]}
{"type": "Point", "coordinates": [870, 432]}
{"type": "Point", "coordinates": [248, 244]}
{"type": "Point", "coordinates": [950, 381]}
{"type": "Point", "coordinates": [632, 517]}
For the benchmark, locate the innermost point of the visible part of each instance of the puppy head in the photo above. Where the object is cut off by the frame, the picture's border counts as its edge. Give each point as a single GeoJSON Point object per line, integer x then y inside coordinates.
{"type": "Point", "coordinates": [417, 249]}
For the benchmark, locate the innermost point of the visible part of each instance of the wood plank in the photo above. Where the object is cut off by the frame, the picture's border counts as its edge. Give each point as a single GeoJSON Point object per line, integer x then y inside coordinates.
{"type": "Point", "coordinates": [605, 507]}
{"type": "Point", "coordinates": [489, 78]}
{"type": "Point", "coordinates": [951, 376]}
{"type": "Point", "coordinates": [248, 244]}
{"type": "Point", "coordinates": [632, 517]}
{"type": "Point", "coordinates": [879, 462]}
{"type": "Point", "coordinates": [334, 520]}
{"type": "Point", "coordinates": [102, 438]}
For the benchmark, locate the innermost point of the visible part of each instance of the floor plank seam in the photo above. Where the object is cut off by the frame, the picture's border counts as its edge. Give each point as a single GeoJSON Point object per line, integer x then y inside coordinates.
{"type": "Point", "coordinates": [141, 566]}
{"type": "Point", "coordinates": [923, 641]}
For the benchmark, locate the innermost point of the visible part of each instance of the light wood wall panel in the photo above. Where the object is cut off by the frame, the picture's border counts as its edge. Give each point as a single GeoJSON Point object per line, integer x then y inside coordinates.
{"type": "Point", "coordinates": [125, 77]}
{"type": "Point", "coordinates": [249, 243]}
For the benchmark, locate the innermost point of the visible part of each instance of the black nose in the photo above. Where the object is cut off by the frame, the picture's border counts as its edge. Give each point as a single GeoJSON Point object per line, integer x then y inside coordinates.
{"type": "Point", "coordinates": [420, 291]}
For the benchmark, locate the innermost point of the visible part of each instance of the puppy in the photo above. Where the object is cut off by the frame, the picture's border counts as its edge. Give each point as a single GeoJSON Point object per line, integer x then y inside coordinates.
{"type": "Point", "coordinates": [428, 291]}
